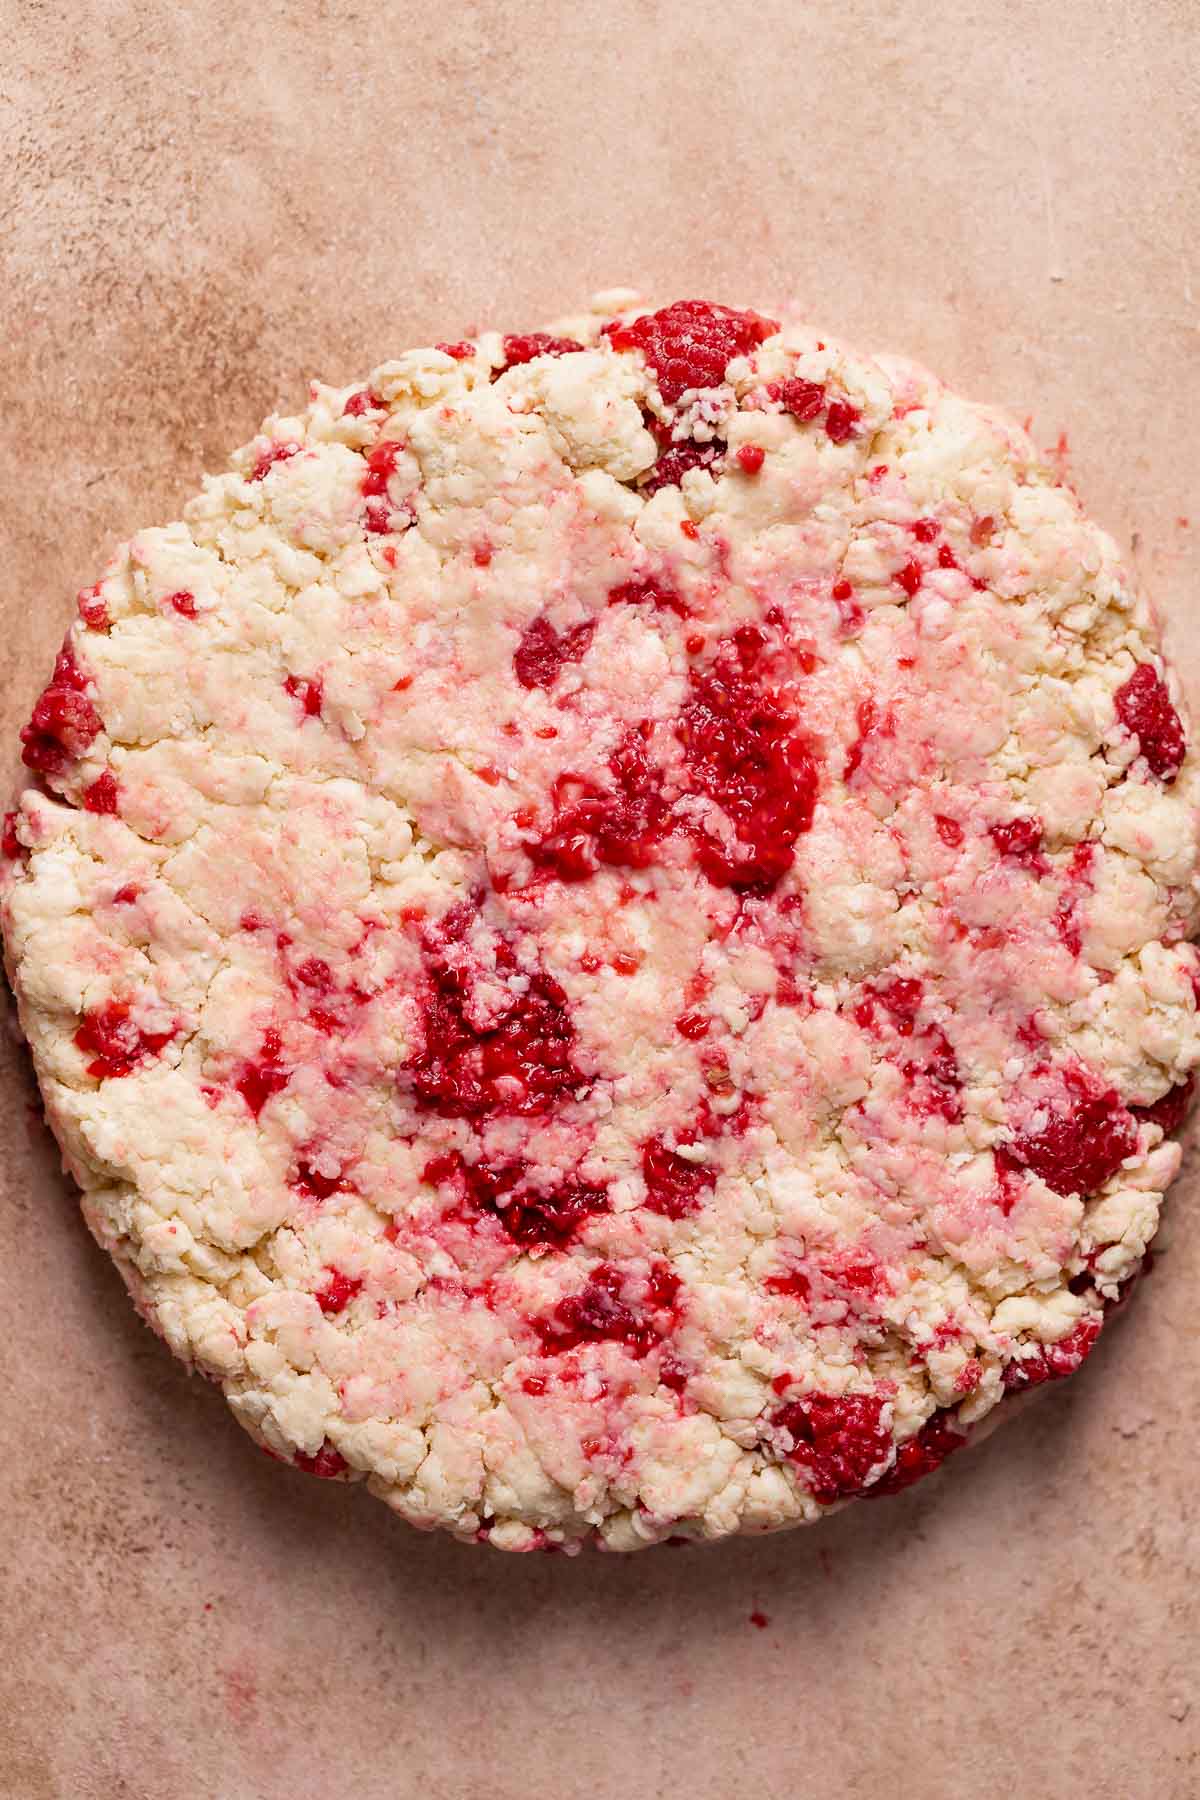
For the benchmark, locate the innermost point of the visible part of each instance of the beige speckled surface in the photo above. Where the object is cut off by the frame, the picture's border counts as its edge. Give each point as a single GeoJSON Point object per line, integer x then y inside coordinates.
{"type": "Point", "coordinates": [203, 205]}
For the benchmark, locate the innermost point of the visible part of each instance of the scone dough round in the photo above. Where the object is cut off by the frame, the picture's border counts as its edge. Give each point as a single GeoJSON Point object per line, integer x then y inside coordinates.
{"type": "Point", "coordinates": [605, 926]}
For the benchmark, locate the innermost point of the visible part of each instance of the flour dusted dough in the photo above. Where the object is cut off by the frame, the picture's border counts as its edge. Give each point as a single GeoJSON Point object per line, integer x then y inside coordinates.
{"type": "Point", "coordinates": [609, 949]}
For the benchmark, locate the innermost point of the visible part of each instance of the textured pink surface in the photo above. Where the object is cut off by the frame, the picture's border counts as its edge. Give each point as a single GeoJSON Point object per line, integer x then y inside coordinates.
{"type": "Point", "coordinates": [205, 205]}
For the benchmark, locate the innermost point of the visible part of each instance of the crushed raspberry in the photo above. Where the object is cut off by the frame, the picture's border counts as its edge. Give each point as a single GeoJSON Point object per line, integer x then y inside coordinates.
{"type": "Point", "coordinates": [947, 559]}
{"type": "Point", "coordinates": [842, 591]}
{"type": "Point", "coordinates": [840, 421]}
{"type": "Point", "coordinates": [92, 609]}
{"type": "Point", "coordinates": [183, 602]}
{"type": "Point", "coordinates": [260, 1078]}
{"type": "Point", "coordinates": [1144, 708]}
{"type": "Point", "coordinates": [310, 1181]}
{"type": "Point", "coordinates": [1021, 839]}
{"type": "Point", "coordinates": [10, 844]}
{"type": "Point", "coordinates": [929, 1064]}
{"type": "Point", "coordinates": [542, 652]}
{"type": "Point", "coordinates": [836, 1441]}
{"type": "Point", "coordinates": [692, 1025]}
{"type": "Point", "coordinates": [622, 827]}
{"type": "Point", "coordinates": [949, 830]}
{"type": "Point", "coordinates": [64, 723]}
{"type": "Point", "coordinates": [803, 399]}
{"type": "Point", "coordinates": [520, 1063]}
{"type": "Point", "coordinates": [675, 1187]}
{"type": "Point", "coordinates": [925, 530]}
{"type": "Point", "coordinates": [603, 1312]}
{"type": "Point", "coordinates": [523, 347]}
{"type": "Point", "coordinates": [909, 577]}
{"type": "Point", "coordinates": [1050, 1362]}
{"type": "Point", "coordinates": [381, 466]}
{"type": "Point", "coordinates": [103, 796]}
{"type": "Point", "coordinates": [794, 1283]}
{"type": "Point", "coordinates": [461, 350]}
{"type": "Point", "coordinates": [649, 590]}
{"type": "Point", "coordinates": [276, 453]}
{"type": "Point", "coordinates": [691, 343]}
{"type": "Point", "coordinates": [745, 751]}
{"type": "Point", "coordinates": [529, 1215]}
{"type": "Point", "coordinates": [871, 722]}
{"type": "Point", "coordinates": [327, 1463]}
{"type": "Point", "coordinates": [116, 1045]}
{"type": "Point", "coordinates": [1170, 1111]}
{"type": "Point", "coordinates": [360, 402]}
{"type": "Point", "coordinates": [1077, 1150]}
{"type": "Point", "coordinates": [337, 1292]}
{"type": "Point", "coordinates": [673, 1374]}
{"type": "Point", "coordinates": [690, 529]}
{"type": "Point", "coordinates": [750, 458]}
{"type": "Point", "coordinates": [674, 464]}
{"type": "Point", "coordinates": [938, 1438]}
{"type": "Point", "coordinates": [310, 693]}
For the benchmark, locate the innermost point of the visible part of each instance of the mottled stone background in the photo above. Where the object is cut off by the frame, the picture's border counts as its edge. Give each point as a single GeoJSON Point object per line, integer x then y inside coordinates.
{"type": "Point", "coordinates": [200, 206]}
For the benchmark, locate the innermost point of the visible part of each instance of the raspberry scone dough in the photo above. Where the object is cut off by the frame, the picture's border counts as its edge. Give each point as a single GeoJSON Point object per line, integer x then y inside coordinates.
{"type": "Point", "coordinates": [609, 949]}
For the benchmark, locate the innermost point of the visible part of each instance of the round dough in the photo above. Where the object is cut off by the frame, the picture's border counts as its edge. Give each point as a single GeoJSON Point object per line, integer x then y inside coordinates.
{"type": "Point", "coordinates": [608, 946]}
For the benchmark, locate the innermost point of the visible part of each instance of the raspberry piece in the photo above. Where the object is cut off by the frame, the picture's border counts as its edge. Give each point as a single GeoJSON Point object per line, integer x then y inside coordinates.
{"type": "Point", "coordinates": [909, 577]}
{"type": "Point", "coordinates": [363, 401]}
{"type": "Point", "coordinates": [309, 693]}
{"type": "Point", "coordinates": [103, 795]}
{"type": "Point", "coordinates": [949, 830]}
{"type": "Point", "coordinates": [328, 1463]}
{"type": "Point", "coordinates": [648, 590]}
{"type": "Point", "coordinates": [10, 844]}
{"type": "Point", "coordinates": [622, 827]}
{"type": "Point", "coordinates": [461, 350]}
{"type": "Point", "coordinates": [379, 512]}
{"type": "Point", "coordinates": [840, 421]}
{"type": "Point", "coordinates": [674, 464]}
{"type": "Point", "coordinates": [603, 1311]}
{"type": "Point", "coordinates": [805, 400]}
{"type": "Point", "coordinates": [745, 752]}
{"type": "Point", "coordinates": [520, 1063]}
{"type": "Point", "coordinates": [1050, 1362]}
{"type": "Point", "coordinates": [690, 344]}
{"type": "Point", "coordinates": [1021, 839]}
{"type": "Point", "coordinates": [183, 603]}
{"type": "Point", "coordinates": [1077, 1150]}
{"type": "Point", "coordinates": [337, 1292]}
{"type": "Point", "coordinates": [675, 1187]}
{"type": "Point", "coordinates": [750, 458]}
{"type": "Point", "coordinates": [274, 453]}
{"type": "Point", "coordinates": [524, 346]}
{"type": "Point", "coordinates": [115, 1043]}
{"type": "Point", "coordinates": [64, 723]}
{"type": "Point", "coordinates": [939, 1437]}
{"type": "Point", "coordinates": [92, 609]}
{"type": "Point", "coordinates": [836, 1441]}
{"type": "Point", "coordinates": [1170, 1111]}
{"type": "Point", "coordinates": [309, 1180]}
{"type": "Point", "coordinates": [528, 1214]}
{"type": "Point", "coordinates": [263, 1076]}
{"type": "Point", "coordinates": [1144, 708]}
{"type": "Point", "coordinates": [542, 652]}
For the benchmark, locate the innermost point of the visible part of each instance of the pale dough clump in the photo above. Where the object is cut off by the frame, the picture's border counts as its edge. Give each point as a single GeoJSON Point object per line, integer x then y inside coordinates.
{"type": "Point", "coordinates": [609, 949]}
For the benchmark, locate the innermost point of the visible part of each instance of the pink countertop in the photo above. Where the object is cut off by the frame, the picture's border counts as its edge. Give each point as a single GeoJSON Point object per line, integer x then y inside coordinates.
{"type": "Point", "coordinates": [204, 205]}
